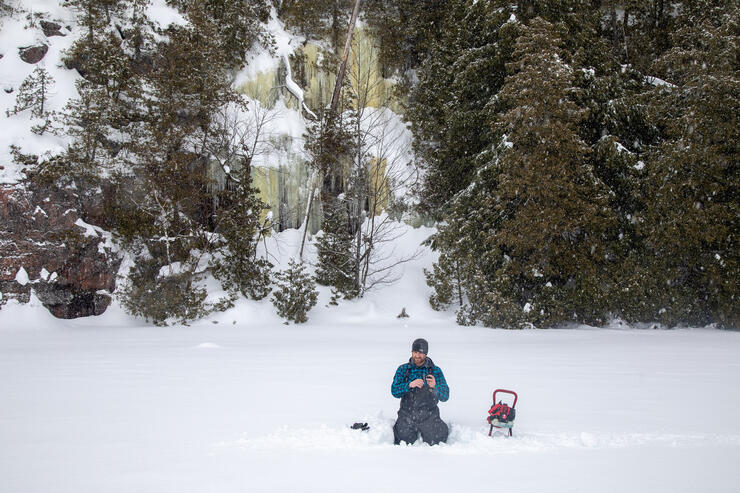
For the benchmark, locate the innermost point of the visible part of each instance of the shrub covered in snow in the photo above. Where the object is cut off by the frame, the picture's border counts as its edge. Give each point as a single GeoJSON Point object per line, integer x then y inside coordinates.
{"type": "Point", "coordinates": [163, 299]}
{"type": "Point", "coordinates": [295, 293]}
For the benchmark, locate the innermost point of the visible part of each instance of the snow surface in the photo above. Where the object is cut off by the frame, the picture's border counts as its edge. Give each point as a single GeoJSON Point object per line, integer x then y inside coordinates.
{"type": "Point", "coordinates": [164, 15]}
{"type": "Point", "coordinates": [241, 402]}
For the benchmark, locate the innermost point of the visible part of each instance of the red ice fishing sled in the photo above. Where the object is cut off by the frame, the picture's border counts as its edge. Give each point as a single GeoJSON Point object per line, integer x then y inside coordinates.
{"type": "Point", "coordinates": [502, 415]}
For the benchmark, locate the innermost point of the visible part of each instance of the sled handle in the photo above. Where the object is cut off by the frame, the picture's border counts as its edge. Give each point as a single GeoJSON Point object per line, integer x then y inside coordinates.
{"type": "Point", "coordinates": [505, 392]}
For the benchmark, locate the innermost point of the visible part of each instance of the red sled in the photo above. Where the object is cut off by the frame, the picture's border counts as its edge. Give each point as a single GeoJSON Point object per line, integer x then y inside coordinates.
{"type": "Point", "coordinates": [502, 415]}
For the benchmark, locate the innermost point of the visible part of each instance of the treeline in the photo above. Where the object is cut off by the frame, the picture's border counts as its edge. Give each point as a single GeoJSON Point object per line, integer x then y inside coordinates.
{"type": "Point", "coordinates": [157, 121]}
{"type": "Point", "coordinates": [155, 107]}
{"type": "Point", "coordinates": [580, 157]}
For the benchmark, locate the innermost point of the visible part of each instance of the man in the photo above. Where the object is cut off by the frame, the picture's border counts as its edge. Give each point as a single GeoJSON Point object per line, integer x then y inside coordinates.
{"type": "Point", "coordinates": [420, 385]}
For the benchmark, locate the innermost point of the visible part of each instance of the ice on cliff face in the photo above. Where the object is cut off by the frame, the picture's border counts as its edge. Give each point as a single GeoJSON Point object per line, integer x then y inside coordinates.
{"type": "Point", "coordinates": [284, 98]}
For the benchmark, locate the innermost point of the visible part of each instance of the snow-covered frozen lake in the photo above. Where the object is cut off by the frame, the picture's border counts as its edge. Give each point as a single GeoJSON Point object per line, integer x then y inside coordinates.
{"type": "Point", "coordinates": [248, 407]}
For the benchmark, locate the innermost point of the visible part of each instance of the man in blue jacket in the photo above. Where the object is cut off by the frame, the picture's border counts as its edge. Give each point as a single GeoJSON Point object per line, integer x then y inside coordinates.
{"type": "Point", "coordinates": [420, 385]}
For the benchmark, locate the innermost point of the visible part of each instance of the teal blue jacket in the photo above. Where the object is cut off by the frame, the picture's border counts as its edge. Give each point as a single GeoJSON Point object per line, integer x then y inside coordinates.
{"type": "Point", "coordinates": [408, 372]}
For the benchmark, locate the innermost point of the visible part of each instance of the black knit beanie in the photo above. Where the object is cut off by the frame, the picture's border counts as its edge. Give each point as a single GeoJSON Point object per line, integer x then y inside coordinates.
{"type": "Point", "coordinates": [420, 346]}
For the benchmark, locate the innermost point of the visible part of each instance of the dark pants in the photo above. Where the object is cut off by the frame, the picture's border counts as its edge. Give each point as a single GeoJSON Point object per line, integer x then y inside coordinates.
{"type": "Point", "coordinates": [432, 429]}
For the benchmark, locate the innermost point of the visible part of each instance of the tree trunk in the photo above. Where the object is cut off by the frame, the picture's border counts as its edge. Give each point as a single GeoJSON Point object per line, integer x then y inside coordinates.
{"type": "Point", "coordinates": [308, 213]}
{"type": "Point", "coordinates": [330, 182]}
{"type": "Point", "coordinates": [343, 65]}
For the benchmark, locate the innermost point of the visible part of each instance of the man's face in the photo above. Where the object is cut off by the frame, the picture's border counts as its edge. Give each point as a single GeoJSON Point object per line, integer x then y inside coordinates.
{"type": "Point", "coordinates": [418, 358]}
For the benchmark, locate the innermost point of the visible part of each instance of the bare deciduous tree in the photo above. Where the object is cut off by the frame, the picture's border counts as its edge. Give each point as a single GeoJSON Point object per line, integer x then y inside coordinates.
{"type": "Point", "coordinates": [380, 173]}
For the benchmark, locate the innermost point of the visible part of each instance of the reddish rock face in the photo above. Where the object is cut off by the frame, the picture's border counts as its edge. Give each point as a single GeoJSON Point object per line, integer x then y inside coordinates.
{"type": "Point", "coordinates": [51, 29]}
{"type": "Point", "coordinates": [70, 268]}
{"type": "Point", "coordinates": [33, 54]}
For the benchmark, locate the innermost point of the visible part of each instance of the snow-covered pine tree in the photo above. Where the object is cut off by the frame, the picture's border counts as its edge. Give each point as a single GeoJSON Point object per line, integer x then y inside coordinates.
{"type": "Point", "coordinates": [163, 298]}
{"type": "Point", "coordinates": [168, 176]}
{"type": "Point", "coordinates": [238, 221]}
{"type": "Point", "coordinates": [552, 209]}
{"type": "Point", "coordinates": [336, 262]}
{"type": "Point", "coordinates": [445, 279]}
{"type": "Point", "coordinates": [318, 19]}
{"type": "Point", "coordinates": [644, 28]}
{"type": "Point", "coordinates": [101, 119]}
{"type": "Point", "coordinates": [295, 293]}
{"type": "Point", "coordinates": [406, 29]}
{"type": "Point", "coordinates": [237, 25]}
{"type": "Point", "coordinates": [146, 112]}
{"type": "Point", "coordinates": [691, 223]}
{"type": "Point", "coordinates": [329, 145]}
{"type": "Point", "coordinates": [529, 231]}
{"type": "Point", "coordinates": [33, 94]}
{"type": "Point", "coordinates": [5, 8]}
{"type": "Point", "coordinates": [464, 68]}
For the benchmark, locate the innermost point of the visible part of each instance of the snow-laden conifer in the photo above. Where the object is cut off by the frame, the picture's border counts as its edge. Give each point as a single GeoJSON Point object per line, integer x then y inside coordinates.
{"type": "Point", "coordinates": [295, 293]}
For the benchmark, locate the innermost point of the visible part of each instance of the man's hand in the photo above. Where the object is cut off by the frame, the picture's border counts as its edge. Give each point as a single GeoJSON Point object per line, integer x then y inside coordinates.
{"type": "Point", "coordinates": [431, 381]}
{"type": "Point", "coordinates": [419, 383]}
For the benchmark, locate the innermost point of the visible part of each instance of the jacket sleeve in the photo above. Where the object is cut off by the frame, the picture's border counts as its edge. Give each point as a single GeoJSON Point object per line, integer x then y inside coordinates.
{"type": "Point", "coordinates": [443, 390]}
{"type": "Point", "coordinates": [400, 386]}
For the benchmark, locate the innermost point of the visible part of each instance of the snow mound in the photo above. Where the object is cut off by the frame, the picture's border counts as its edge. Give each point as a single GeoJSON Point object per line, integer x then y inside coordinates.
{"type": "Point", "coordinates": [21, 277]}
{"type": "Point", "coordinates": [207, 345]}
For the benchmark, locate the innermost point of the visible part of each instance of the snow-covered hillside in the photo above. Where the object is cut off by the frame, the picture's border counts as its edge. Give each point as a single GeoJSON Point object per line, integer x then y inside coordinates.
{"type": "Point", "coordinates": [17, 31]}
{"type": "Point", "coordinates": [22, 29]}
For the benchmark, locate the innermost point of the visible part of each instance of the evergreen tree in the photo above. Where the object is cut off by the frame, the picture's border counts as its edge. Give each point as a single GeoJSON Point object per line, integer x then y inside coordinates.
{"type": "Point", "coordinates": [691, 220]}
{"type": "Point", "coordinates": [448, 112]}
{"type": "Point", "coordinates": [360, 144]}
{"type": "Point", "coordinates": [5, 8]}
{"type": "Point", "coordinates": [552, 209]}
{"type": "Point", "coordinates": [33, 94]}
{"type": "Point", "coordinates": [406, 30]}
{"type": "Point", "coordinates": [174, 298]}
{"type": "Point", "coordinates": [329, 145]}
{"type": "Point", "coordinates": [86, 119]}
{"type": "Point", "coordinates": [295, 293]}
{"type": "Point", "coordinates": [94, 14]}
{"type": "Point", "coordinates": [109, 103]}
{"type": "Point", "coordinates": [550, 215]}
{"type": "Point", "coordinates": [238, 221]}
{"type": "Point", "coordinates": [188, 84]}
{"type": "Point", "coordinates": [166, 155]}
{"type": "Point", "coordinates": [336, 261]}
{"type": "Point", "coordinates": [445, 279]}
{"type": "Point", "coordinates": [465, 67]}
{"type": "Point", "coordinates": [237, 25]}
{"type": "Point", "coordinates": [99, 55]}
{"type": "Point", "coordinates": [530, 229]}
{"type": "Point", "coordinates": [319, 19]}
{"type": "Point", "coordinates": [645, 30]}
{"type": "Point", "coordinates": [143, 125]}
